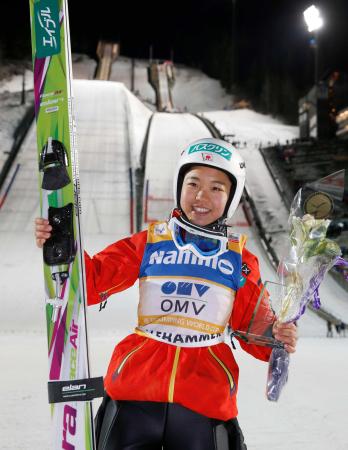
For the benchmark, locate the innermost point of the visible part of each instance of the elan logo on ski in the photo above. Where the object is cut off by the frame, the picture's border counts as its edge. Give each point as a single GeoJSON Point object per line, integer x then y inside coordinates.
{"type": "Point", "coordinates": [85, 389]}
{"type": "Point", "coordinates": [47, 28]}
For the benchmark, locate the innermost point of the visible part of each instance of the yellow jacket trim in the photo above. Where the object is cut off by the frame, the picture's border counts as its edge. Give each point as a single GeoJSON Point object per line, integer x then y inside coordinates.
{"type": "Point", "coordinates": [173, 375]}
{"type": "Point", "coordinates": [238, 246]}
{"type": "Point", "coordinates": [228, 373]}
{"type": "Point", "coordinates": [126, 358]}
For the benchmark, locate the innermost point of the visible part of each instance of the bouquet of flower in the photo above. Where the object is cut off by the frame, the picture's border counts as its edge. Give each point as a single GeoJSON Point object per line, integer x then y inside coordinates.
{"type": "Point", "coordinates": [309, 256]}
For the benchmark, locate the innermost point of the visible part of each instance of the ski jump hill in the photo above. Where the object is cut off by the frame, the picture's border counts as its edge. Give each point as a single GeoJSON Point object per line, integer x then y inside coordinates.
{"type": "Point", "coordinates": [127, 154]}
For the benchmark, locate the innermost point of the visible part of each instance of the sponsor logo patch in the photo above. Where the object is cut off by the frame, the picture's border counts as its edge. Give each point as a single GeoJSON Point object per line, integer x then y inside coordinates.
{"type": "Point", "coordinates": [245, 269]}
{"type": "Point", "coordinates": [160, 229]}
{"type": "Point", "coordinates": [212, 148]}
{"type": "Point", "coordinates": [187, 257]}
{"type": "Point", "coordinates": [47, 28]}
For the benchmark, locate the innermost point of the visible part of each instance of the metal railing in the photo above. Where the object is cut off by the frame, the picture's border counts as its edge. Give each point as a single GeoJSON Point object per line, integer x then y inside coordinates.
{"type": "Point", "coordinates": [19, 136]}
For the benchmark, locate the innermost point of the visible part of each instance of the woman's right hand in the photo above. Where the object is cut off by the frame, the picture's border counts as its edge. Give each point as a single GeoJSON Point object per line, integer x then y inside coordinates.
{"type": "Point", "coordinates": [42, 231]}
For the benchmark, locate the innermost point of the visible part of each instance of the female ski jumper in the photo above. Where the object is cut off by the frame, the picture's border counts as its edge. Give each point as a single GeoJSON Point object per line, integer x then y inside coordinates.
{"type": "Point", "coordinates": [177, 352]}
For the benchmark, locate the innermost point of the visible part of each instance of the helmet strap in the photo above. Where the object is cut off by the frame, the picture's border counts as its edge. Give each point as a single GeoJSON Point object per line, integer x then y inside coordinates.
{"type": "Point", "coordinates": [218, 227]}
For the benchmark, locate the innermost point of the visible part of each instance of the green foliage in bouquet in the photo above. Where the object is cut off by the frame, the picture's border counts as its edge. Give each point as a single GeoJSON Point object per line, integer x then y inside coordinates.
{"type": "Point", "coordinates": [308, 238]}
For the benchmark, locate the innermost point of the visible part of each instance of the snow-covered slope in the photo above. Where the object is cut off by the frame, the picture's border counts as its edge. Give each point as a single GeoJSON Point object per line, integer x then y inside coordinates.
{"type": "Point", "coordinates": [312, 410]}
{"type": "Point", "coordinates": [193, 90]}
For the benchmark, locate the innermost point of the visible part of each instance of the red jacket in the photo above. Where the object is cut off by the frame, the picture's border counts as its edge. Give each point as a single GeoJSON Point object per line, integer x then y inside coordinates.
{"type": "Point", "coordinates": [204, 379]}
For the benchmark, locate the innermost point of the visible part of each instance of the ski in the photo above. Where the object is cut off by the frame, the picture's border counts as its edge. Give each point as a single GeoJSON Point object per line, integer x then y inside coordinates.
{"type": "Point", "coordinates": [70, 388]}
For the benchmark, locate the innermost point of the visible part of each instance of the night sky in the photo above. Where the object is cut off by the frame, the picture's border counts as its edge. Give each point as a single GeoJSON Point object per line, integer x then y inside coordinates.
{"type": "Point", "coordinates": [270, 36]}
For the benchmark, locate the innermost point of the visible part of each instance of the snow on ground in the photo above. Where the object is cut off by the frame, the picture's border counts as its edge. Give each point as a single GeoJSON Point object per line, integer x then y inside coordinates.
{"type": "Point", "coordinates": [138, 119]}
{"type": "Point", "coordinates": [121, 71]}
{"type": "Point", "coordinates": [312, 409]}
{"type": "Point", "coordinates": [84, 67]}
{"type": "Point", "coordinates": [251, 127]}
{"type": "Point", "coordinates": [193, 90]}
{"type": "Point", "coordinates": [310, 414]}
{"type": "Point", "coordinates": [15, 83]}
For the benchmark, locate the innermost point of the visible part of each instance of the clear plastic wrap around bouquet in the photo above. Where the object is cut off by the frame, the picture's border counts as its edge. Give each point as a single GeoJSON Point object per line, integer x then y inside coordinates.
{"type": "Point", "coordinates": [310, 254]}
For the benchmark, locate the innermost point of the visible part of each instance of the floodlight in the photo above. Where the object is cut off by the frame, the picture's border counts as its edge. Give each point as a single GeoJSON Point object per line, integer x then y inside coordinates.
{"type": "Point", "coordinates": [312, 18]}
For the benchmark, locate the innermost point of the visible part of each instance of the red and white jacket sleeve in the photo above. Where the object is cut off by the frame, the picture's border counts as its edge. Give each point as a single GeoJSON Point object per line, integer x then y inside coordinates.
{"type": "Point", "coordinates": [244, 307]}
{"type": "Point", "coordinates": [115, 268]}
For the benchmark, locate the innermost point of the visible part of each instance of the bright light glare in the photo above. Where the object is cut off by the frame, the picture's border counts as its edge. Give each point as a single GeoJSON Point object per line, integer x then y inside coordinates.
{"type": "Point", "coordinates": [312, 18]}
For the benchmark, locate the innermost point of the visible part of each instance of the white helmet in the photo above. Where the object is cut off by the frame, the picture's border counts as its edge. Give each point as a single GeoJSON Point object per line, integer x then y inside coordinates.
{"type": "Point", "coordinates": [220, 155]}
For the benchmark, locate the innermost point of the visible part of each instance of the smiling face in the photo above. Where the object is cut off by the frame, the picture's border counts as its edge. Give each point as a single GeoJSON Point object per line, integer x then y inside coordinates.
{"type": "Point", "coordinates": [204, 194]}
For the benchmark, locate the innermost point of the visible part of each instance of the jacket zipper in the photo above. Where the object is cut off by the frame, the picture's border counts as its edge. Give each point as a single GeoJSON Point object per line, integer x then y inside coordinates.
{"type": "Point", "coordinates": [105, 294]}
{"type": "Point", "coordinates": [104, 297]}
{"type": "Point", "coordinates": [125, 359]}
{"type": "Point", "coordinates": [225, 369]}
{"type": "Point", "coordinates": [173, 375]}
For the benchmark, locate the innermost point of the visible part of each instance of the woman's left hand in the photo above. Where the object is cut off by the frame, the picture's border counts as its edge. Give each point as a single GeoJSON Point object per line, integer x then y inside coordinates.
{"type": "Point", "coordinates": [286, 333]}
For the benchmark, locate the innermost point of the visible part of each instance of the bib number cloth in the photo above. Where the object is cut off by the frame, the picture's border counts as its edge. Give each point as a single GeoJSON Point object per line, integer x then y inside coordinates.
{"type": "Point", "coordinates": [186, 300]}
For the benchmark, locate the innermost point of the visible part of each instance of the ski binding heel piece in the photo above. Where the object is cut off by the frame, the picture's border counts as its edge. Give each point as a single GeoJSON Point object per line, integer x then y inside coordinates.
{"type": "Point", "coordinates": [60, 247]}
